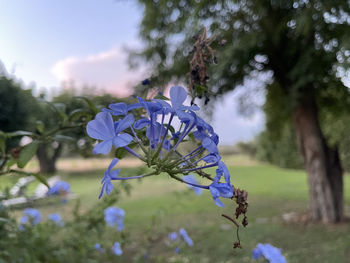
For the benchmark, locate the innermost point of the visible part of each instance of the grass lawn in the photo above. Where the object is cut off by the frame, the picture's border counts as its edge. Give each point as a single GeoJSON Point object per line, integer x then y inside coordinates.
{"type": "Point", "coordinates": [159, 205]}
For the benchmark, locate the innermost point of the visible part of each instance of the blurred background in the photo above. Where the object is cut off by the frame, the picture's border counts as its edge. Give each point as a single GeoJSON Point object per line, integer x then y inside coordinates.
{"type": "Point", "coordinates": [275, 89]}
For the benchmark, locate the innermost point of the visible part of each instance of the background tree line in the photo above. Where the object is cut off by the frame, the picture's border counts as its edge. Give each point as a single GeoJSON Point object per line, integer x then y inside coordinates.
{"type": "Point", "coordinates": [21, 110]}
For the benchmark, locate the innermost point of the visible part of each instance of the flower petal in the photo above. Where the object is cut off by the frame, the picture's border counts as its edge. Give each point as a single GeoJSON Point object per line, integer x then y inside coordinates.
{"type": "Point", "coordinates": [209, 145]}
{"type": "Point", "coordinates": [102, 127]}
{"type": "Point", "coordinates": [223, 167]}
{"type": "Point", "coordinates": [111, 165]}
{"type": "Point", "coordinates": [124, 123]}
{"type": "Point", "coordinates": [103, 147]}
{"type": "Point", "coordinates": [118, 108]}
{"type": "Point", "coordinates": [141, 123]}
{"type": "Point", "coordinates": [178, 96]}
{"type": "Point", "coordinates": [122, 140]}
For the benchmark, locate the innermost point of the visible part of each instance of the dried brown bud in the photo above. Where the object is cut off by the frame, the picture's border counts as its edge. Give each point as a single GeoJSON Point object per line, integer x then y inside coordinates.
{"type": "Point", "coordinates": [15, 152]}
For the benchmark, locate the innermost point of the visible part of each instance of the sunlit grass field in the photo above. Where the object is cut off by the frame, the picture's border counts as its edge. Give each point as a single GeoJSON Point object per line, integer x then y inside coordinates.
{"type": "Point", "coordinates": [159, 205]}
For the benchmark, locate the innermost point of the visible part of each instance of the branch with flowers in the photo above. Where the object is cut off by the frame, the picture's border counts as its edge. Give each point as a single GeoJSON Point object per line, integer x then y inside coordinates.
{"type": "Point", "coordinates": [154, 132]}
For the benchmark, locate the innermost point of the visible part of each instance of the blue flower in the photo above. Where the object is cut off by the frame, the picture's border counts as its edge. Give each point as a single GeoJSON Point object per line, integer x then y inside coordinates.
{"type": "Point", "coordinates": [30, 215]}
{"type": "Point", "coordinates": [121, 108]}
{"type": "Point", "coordinates": [103, 128]}
{"type": "Point", "coordinates": [173, 236]}
{"type": "Point", "coordinates": [152, 107]}
{"type": "Point", "coordinates": [60, 187]}
{"type": "Point", "coordinates": [56, 218]}
{"type": "Point", "coordinates": [177, 250]}
{"type": "Point", "coordinates": [191, 179]}
{"type": "Point", "coordinates": [116, 109]}
{"type": "Point", "coordinates": [178, 96]}
{"type": "Point", "coordinates": [107, 185]}
{"type": "Point", "coordinates": [98, 247]}
{"type": "Point", "coordinates": [185, 236]}
{"type": "Point", "coordinates": [114, 216]}
{"type": "Point", "coordinates": [269, 252]}
{"type": "Point", "coordinates": [117, 249]}
{"type": "Point", "coordinates": [220, 190]}
{"type": "Point", "coordinates": [222, 170]}
{"type": "Point", "coordinates": [154, 133]}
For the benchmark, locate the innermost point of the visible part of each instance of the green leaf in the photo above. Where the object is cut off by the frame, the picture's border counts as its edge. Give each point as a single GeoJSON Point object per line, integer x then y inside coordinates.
{"type": "Point", "coordinates": [90, 104]}
{"type": "Point", "coordinates": [171, 129]}
{"type": "Point", "coordinates": [27, 153]}
{"type": "Point", "coordinates": [61, 107]}
{"type": "Point", "coordinates": [120, 153]}
{"type": "Point", "coordinates": [40, 126]}
{"type": "Point", "coordinates": [42, 179]}
{"type": "Point", "coordinates": [78, 114]}
{"type": "Point", "coordinates": [63, 138]}
{"type": "Point", "coordinates": [191, 136]}
{"type": "Point", "coordinates": [2, 143]}
{"type": "Point", "coordinates": [11, 162]}
{"type": "Point", "coordinates": [19, 133]}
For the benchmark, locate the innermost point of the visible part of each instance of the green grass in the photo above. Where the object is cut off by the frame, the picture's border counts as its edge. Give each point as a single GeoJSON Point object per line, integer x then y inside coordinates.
{"type": "Point", "coordinates": [159, 205]}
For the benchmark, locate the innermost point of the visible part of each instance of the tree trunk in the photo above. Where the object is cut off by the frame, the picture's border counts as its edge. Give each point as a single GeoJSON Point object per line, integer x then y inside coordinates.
{"type": "Point", "coordinates": [325, 175]}
{"type": "Point", "coordinates": [47, 162]}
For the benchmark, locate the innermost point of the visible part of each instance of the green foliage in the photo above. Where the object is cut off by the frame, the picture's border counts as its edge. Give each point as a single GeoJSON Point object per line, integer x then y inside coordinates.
{"type": "Point", "coordinates": [281, 151]}
{"type": "Point", "coordinates": [298, 41]}
{"type": "Point", "coordinates": [336, 129]}
{"type": "Point", "coordinates": [27, 153]}
{"type": "Point", "coordinates": [277, 144]}
{"type": "Point", "coordinates": [48, 242]}
{"type": "Point", "coordinates": [17, 108]}
{"type": "Point", "coordinates": [247, 148]}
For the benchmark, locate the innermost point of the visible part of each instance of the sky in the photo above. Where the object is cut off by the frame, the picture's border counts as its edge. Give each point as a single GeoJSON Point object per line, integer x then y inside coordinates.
{"type": "Point", "coordinates": [48, 43]}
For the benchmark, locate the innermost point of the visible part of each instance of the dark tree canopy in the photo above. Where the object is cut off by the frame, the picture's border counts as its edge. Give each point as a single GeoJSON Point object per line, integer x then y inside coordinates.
{"type": "Point", "coordinates": [303, 46]}
{"type": "Point", "coordinates": [16, 106]}
{"type": "Point", "coordinates": [303, 43]}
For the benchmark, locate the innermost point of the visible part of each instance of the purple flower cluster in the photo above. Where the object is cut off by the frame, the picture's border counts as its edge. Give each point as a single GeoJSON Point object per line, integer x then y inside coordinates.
{"type": "Point", "coordinates": [159, 140]}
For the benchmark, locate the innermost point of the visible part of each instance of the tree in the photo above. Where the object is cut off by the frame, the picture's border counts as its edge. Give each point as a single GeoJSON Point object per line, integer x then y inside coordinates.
{"type": "Point", "coordinates": [300, 45]}
{"type": "Point", "coordinates": [68, 114]}
{"type": "Point", "coordinates": [16, 108]}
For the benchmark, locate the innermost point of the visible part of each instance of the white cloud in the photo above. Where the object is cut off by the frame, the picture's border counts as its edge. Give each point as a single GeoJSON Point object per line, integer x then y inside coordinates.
{"type": "Point", "coordinates": [106, 70]}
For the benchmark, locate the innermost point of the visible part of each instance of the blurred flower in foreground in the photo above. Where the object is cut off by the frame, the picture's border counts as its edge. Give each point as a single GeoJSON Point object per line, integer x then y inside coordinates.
{"type": "Point", "coordinates": [117, 249]}
{"type": "Point", "coordinates": [56, 218]}
{"type": "Point", "coordinates": [114, 216]}
{"type": "Point", "coordinates": [98, 247]}
{"type": "Point", "coordinates": [175, 237]}
{"type": "Point", "coordinates": [185, 236]}
{"type": "Point", "coordinates": [31, 216]}
{"type": "Point", "coordinates": [59, 188]}
{"type": "Point", "coordinates": [269, 252]}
